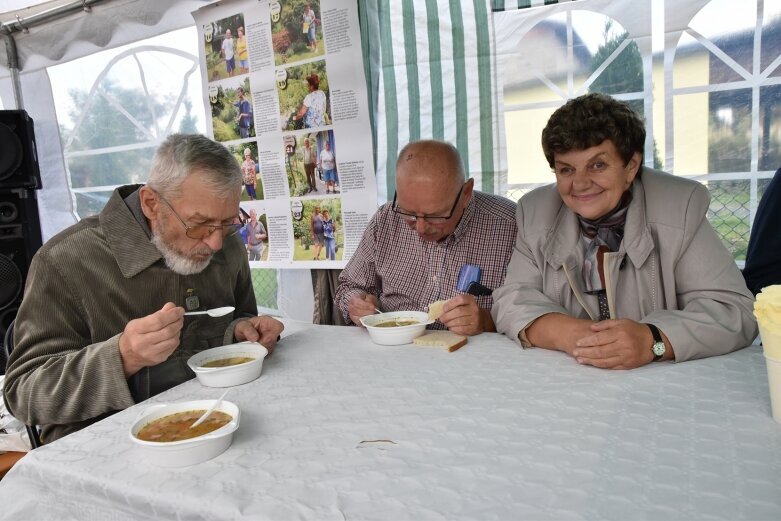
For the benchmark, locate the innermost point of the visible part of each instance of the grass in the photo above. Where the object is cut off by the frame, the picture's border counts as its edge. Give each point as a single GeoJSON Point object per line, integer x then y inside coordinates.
{"type": "Point", "coordinates": [301, 253]}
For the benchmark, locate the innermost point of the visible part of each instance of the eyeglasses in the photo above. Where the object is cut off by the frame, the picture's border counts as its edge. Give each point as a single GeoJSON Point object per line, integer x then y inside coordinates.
{"type": "Point", "coordinates": [411, 218]}
{"type": "Point", "coordinates": [201, 231]}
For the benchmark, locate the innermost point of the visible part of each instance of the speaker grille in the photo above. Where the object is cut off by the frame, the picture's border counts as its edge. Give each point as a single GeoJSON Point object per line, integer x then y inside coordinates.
{"type": "Point", "coordinates": [11, 158]}
{"type": "Point", "coordinates": [10, 282]}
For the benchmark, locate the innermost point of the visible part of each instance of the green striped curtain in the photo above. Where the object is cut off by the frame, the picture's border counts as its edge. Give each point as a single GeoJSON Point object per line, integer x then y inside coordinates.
{"type": "Point", "coordinates": [430, 71]}
{"type": "Point", "coordinates": [509, 5]}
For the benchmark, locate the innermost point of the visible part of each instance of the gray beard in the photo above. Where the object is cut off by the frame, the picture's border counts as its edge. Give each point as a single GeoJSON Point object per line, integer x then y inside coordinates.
{"type": "Point", "coordinates": [177, 262]}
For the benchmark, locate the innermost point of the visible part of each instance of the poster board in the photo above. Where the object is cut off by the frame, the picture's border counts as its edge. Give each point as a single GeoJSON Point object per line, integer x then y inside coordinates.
{"type": "Point", "coordinates": [285, 92]}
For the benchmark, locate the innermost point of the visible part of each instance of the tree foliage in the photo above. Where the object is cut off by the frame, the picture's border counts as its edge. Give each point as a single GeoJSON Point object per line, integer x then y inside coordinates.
{"type": "Point", "coordinates": [292, 96]}
{"type": "Point", "coordinates": [625, 73]}
{"type": "Point", "coordinates": [290, 22]}
{"type": "Point", "coordinates": [103, 125]}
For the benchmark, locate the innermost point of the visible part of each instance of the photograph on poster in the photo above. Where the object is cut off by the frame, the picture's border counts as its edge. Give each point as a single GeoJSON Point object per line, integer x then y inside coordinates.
{"type": "Point", "coordinates": [310, 163]}
{"type": "Point", "coordinates": [296, 30]}
{"type": "Point", "coordinates": [317, 229]}
{"type": "Point", "coordinates": [232, 114]}
{"type": "Point", "coordinates": [225, 47]}
{"type": "Point", "coordinates": [303, 96]}
{"type": "Point", "coordinates": [246, 155]}
{"type": "Point", "coordinates": [254, 232]}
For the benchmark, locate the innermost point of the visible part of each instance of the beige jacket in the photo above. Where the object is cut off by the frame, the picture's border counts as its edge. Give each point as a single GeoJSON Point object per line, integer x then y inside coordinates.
{"type": "Point", "coordinates": [671, 269]}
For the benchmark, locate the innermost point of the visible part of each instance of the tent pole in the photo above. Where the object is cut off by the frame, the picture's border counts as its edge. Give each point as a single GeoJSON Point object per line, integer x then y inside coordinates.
{"type": "Point", "coordinates": [7, 30]}
{"type": "Point", "coordinates": [13, 66]}
{"type": "Point", "coordinates": [24, 24]}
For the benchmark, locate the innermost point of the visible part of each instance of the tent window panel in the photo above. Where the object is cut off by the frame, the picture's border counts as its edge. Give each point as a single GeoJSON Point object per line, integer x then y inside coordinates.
{"type": "Point", "coordinates": [114, 107]}
{"type": "Point", "coordinates": [111, 169]}
{"type": "Point", "coordinates": [91, 203]}
{"type": "Point", "coordinates": [729, 214]}
{"type": "Point", "coordinates": [729, 131]}
{"type": "Point", "coordinates": [265, 284]}
{"type": "Point", "coordinates": [562, 56]}
{"type": "Point", "coordinates": [770, 127]}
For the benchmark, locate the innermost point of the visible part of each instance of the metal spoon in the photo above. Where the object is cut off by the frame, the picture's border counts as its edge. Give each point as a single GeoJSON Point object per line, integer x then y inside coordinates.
{"type": "Point", "coordinates": [216, 312]}
{"type": "Point", "coordinates": [211, 410]}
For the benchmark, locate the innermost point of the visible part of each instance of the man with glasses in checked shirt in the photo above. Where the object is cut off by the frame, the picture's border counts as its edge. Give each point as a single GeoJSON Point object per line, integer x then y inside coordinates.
{"type": "Point", "coordinates": [413, 248]}
{"type": "Point", "coordinates": [102, 323]}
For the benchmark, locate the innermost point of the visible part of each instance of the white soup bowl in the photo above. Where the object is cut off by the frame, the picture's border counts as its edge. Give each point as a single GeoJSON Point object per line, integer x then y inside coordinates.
{"type": "Point", "coordinates": [233, 374]}
{"type": "Point", "coordinates": [395, 335]}
{"type": "Point", "coordinates": [190, 451]}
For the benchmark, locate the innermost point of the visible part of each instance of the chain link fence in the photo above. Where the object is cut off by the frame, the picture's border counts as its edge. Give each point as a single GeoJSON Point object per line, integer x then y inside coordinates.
{"type": "Point", "coordinates": [264, 282]}
{"type": "Point", "coordinates": [730, 214]}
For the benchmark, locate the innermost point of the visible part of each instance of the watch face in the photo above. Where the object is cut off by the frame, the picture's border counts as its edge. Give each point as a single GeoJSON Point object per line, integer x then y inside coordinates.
{"type": "Point", "coordinates": [658, 348]}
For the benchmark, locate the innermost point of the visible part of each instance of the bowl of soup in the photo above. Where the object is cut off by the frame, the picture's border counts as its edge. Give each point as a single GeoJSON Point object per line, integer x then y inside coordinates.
{"type": "Point", "coordinates": [396, 327]}
{"type": "Point", "coordinates": [163, 433]}
{"type": "Point", "coordinates": [228, 365]}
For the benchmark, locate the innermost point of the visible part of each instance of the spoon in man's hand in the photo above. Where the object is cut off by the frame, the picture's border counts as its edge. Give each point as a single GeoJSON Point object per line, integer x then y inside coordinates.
{"type": "Point", "coordinates": [216, 312]}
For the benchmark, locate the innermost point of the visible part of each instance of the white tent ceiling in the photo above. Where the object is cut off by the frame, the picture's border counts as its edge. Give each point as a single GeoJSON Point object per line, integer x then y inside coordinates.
{"type": "Point", "coordinates": [42, 39]}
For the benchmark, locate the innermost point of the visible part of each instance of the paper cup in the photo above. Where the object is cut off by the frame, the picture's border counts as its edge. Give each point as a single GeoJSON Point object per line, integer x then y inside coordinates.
{"type": "Point", "coordinates": [774, 383]}
{"type": "Point", "coordinates": [771, 340]}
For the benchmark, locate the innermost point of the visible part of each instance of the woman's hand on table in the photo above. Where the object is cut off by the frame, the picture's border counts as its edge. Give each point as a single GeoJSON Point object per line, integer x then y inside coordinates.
{"type": "Point", "coordinates": [263, 329]}
{"type": "Point", "coordinates": [615, 344]}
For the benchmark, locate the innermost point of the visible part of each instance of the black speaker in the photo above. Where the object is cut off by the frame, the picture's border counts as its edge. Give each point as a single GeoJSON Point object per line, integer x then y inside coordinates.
{"type": "Point", "coordinates": [18, 156]}
{"type": "Point", "coordinates": [20, 226]}
{"type": "Point", "coordinates": [20, 238]}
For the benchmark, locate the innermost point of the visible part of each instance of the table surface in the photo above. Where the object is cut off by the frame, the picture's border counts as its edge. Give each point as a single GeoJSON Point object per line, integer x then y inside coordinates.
{"type": "Point", "coordinates": [339, 428]}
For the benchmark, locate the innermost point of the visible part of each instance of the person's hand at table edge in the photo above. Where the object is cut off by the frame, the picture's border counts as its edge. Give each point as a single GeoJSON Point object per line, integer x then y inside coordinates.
{"type": "Point", "coordinates": [263, 329]}
{"type": "Point", "coordinates": [360, 306]}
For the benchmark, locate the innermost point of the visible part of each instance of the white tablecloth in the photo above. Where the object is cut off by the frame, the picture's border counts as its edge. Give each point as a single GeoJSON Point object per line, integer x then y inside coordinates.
{"type": "Point", "coordinates": [339, 428]}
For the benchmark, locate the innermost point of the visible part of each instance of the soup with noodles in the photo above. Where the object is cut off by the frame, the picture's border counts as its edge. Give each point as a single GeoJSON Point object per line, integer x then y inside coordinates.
{"type": "Point", "coordinates": [397, 323]}
{"type": "Point", "coordinates": [176, 427]}
{"type": "Point", "coordinates": [225, 362]}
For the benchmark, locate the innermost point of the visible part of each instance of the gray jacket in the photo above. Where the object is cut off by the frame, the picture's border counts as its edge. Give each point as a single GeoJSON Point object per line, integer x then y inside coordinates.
{"type": "Point", "coordinates": [671, 270]}
{"type": "Point", "coordinates": [84, 286]}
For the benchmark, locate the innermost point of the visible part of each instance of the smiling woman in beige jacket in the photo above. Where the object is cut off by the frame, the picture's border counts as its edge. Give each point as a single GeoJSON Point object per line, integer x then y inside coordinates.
{"type": "Point", "coordinates": [616, 264]}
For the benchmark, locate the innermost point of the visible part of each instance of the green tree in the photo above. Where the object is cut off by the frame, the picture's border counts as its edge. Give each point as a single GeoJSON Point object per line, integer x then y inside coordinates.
{"type": "Point", "coordinates": [189, 123]}
{"type": "Point", "coordinates": [290, 17]}
{"type": "Point", "coordinates": [100, 125]}
{"type": "Point", "coordinates": [625, 73]}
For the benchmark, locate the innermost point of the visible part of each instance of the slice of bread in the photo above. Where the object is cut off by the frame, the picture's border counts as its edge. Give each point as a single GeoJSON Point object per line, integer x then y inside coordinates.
{"type": "Point", "coordinates": [446, 339]}
{"type": "Point", "coordinates": [435, 309]}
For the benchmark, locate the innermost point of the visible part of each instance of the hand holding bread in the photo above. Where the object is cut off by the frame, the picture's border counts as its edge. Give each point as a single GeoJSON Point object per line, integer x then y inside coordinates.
{"type": "Point", "coordinates": [460, 314]}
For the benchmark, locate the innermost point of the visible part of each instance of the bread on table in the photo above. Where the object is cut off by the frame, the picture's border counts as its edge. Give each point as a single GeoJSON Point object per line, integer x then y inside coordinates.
{"type": "Point", "coordinates": [444, 339]}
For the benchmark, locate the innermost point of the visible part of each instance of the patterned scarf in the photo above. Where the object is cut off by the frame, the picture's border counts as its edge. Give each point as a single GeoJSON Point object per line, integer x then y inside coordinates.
{"type": "Point", "coordinates": [606, 234]}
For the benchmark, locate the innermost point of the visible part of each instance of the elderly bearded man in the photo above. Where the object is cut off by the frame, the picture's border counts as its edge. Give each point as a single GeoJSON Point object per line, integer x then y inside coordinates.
{"type": "Point", "coordinates": [102, 326]}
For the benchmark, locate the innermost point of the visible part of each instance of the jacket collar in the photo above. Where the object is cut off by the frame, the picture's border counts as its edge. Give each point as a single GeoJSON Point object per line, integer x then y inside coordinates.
{"type": "Point", "coordinates": [563, 245]}
{"type": "Point", "coordinates": [128, 234]}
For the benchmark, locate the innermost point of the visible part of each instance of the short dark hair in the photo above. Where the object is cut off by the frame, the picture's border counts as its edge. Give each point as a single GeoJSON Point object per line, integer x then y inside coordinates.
{"type": "Point", "coordinates": [313, 80]}
{"type": "Point", "coordinates": [587, 121]}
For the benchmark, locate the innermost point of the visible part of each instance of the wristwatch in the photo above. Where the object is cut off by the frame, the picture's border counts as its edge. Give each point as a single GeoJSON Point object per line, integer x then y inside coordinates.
{"type": "Point", "coordinates": [658, 348]}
